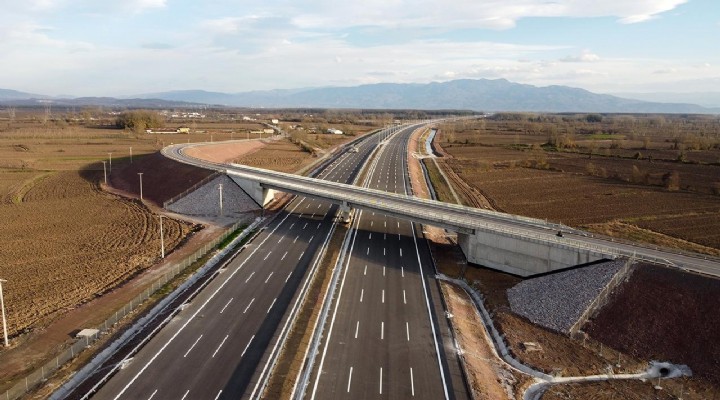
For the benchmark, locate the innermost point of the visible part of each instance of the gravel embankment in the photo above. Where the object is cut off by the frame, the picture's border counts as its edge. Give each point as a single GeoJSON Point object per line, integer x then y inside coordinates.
{"type": "Point", "coordinates": [556, 301]}
{"type": "Point", "coordinates": [206, 199]}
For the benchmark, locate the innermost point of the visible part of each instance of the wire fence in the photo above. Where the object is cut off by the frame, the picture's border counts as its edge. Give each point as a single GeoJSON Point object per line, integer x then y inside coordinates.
{"type": "Point", "coordinates": [601, 299]}
{"type": "Point", "coordinates": [72, 349]}
{"type": "Point", "coordinates": [192, 188]}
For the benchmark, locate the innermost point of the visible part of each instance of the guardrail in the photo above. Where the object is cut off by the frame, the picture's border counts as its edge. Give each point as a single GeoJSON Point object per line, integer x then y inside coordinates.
{"type": "Point", "coordinates": [40, 375]}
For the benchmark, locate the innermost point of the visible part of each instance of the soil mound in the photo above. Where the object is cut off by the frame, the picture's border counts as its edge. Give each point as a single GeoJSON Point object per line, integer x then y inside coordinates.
{"type": "Point", "coordinates": [162, 178]}
{"type": "Point", "coordinates": [665, 314]}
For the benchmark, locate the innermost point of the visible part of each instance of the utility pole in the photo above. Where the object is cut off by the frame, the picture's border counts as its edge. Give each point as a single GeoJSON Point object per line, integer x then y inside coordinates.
{"type": "Point", "coordinates": [140, 174]}
{"type": "Point", "coordinates": [221, 203]}
{"type": "Point", "coordinates": [162, 240]}
{"type": "Point", "coordinates": [130, 154]}
{"type": "Point", "coordinates": [2, 305]}
{"type": "Point", "coordinates": [110, 155]}
{"type": "Point", "coordinates": [104, 172]}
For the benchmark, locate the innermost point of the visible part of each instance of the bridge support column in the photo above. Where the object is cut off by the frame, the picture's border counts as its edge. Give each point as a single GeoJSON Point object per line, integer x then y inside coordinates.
{"type": "Point", "coordinates": [523, 256]}
{"type": "Point", "coordinates": [346, 212]}
{"type": "Point", "coordinates": [261, 195]}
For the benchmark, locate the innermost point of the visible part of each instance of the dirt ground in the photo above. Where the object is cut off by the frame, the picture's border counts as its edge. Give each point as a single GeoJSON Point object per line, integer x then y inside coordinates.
{"type": "Point", "coordinates": [280, 155]}
{"type": "Point", "coordinates": [225, 152]}
{"type": "Point", "coordinates": [665, 314]}
{"type": "Point", "coordinates": [162, 178]}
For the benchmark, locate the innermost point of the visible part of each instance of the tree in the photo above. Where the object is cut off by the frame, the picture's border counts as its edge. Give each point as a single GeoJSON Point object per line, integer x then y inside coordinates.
{"type": "Point", "coordinates": [593, 118]}
{"type": "Point", "coordinates": [671, 180]}
{"type": "Point", "coordinates": [139, 120]}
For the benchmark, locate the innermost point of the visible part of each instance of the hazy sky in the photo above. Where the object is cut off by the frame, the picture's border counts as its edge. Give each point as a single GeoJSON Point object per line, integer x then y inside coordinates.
{"type": "Point", "coordinates": [101, 47]}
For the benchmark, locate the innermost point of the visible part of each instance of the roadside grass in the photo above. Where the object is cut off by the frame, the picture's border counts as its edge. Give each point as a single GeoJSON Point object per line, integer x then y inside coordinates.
{"type": "Point", "coordinates": [442, 191]}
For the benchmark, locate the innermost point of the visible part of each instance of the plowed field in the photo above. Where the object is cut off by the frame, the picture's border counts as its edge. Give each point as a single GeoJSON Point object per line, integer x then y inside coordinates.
{"type": "Point", "coordinates": [67, 242]}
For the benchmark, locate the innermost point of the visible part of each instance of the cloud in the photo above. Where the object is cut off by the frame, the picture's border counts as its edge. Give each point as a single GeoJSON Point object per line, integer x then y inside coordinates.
{"type": "Point", "coordinates": [139, 6]}
{"type": "Point", "coordinates": [586, 56]}
{"type": "Point", "coordinates": [489, 14]}
{"type": "Point", "coordinates": [157, 46]}
{"type": "Point", "coordinates": [665, 71]}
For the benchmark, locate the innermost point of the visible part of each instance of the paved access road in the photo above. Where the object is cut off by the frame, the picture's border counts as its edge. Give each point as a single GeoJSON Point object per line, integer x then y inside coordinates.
{"type": "Point", "coordinates": [214, 346]}
{"type": "Point", "coordinates": [387, 335]}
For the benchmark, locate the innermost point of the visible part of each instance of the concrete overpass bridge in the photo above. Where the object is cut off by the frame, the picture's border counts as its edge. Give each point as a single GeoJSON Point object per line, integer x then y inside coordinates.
{"type": "Point", "coordinates": [515, 244]}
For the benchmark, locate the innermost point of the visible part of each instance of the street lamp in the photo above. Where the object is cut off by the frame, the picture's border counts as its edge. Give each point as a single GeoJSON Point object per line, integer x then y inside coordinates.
{"type": "Point", "coordinates": [221, 203]}
{"type": "Point", "coordinates": [2, 305]}
{"type": "Point", "coordinates": [140, 174]}
{"type": "Point", "coordinates": [104, 172]}
{"type": "Point", "coordinates": [162, 240]}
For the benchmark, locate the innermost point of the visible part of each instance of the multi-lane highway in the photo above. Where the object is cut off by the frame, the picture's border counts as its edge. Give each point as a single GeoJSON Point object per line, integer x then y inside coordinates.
{"type": "Point", "coordinates": [214, 346]}
{"type": "Point", "coordinates": [386, 336]}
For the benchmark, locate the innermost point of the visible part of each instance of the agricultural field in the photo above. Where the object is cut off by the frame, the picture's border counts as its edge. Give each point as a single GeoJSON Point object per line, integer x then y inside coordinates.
{"type": "Point", "coordinates": [64, 241]}
{"type": "Point", "coordinates": [649, 178]}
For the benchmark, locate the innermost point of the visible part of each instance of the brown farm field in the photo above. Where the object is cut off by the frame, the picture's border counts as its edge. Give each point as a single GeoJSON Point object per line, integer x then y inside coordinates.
{"type": "Point", "coordinates": [650, 178]}
{"type": "Point", "coordinates": [67, 242]}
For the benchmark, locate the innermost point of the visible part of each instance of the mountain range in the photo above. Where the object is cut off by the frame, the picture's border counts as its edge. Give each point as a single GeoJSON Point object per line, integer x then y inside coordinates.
{"type": "Point", "coordinates": [463, 94]}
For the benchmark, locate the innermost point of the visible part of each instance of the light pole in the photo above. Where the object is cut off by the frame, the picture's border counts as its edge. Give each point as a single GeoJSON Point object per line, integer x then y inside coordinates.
{"type": "Point", "coordinates": [140, 175]}
{"type": "Point", "coordinates": [104, 172]}
{"type": "Point", "coordinates": [2, 305]}
{"type": "Point", "coordinates": [162, 240]}
{"type": "Point", "coordinates": [110, 155]}
{"type": "Point", "coordinates": [221, 204]}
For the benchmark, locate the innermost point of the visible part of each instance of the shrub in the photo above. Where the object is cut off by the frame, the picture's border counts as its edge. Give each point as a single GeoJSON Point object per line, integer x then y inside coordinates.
{"type": "Point", "coordinates": [139, 120]}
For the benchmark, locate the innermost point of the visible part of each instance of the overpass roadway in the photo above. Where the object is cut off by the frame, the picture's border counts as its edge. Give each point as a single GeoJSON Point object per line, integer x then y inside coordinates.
{"type": "Point", "coordinates": [468, 221]}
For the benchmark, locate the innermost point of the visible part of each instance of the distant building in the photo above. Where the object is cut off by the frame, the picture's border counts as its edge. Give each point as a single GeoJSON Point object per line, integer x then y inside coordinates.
{"type": "Point", "coordinates": [274, 121]}
{"type": "Point", "coordinates": [183, 129]}
{"type": "Point", "coordinates": [268, 130]}
{"type": "Point", "coordinates": [334, 131]}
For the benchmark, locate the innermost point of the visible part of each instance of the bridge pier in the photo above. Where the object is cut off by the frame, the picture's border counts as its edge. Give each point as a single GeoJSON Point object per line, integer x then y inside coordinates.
{"type": "Point", "coordinates": [521, 255]}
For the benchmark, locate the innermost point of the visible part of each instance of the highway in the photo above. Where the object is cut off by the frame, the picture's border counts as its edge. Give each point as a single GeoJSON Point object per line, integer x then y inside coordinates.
{"type": "Point", "coordinates": [387, 336]}
{"type": "Point", "coordinates": [213, 348]}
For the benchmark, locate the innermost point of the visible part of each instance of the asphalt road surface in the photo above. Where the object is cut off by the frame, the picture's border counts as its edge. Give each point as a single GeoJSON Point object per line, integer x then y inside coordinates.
{"type": "Point", "coordinates": [214, 346]}
{"type": "Point", "coordinates": [387, 335]}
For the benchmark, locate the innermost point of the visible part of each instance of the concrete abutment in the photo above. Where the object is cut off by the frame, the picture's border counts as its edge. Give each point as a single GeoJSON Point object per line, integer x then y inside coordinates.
{"type": "Point", "coordinates": [521, 255]}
